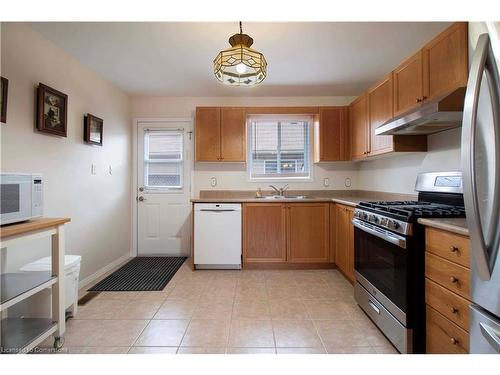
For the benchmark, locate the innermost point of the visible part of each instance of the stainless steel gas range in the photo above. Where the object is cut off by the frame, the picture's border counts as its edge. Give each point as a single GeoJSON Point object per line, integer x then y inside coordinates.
{"type": "Point", "coordinates": [389, 249]}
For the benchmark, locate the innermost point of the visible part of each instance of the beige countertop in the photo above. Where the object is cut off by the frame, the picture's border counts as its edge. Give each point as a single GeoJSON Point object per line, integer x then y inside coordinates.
{"type": "Point", "coordinates": [347, 197]}
{"type": "Point", "coordinates": [455, 225]}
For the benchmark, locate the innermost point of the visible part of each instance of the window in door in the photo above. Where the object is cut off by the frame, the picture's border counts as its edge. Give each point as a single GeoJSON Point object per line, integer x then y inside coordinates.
{"type": "Point", "coordinates": [279, 148]}
{"type": "Point", "coordinates": [163, 159]}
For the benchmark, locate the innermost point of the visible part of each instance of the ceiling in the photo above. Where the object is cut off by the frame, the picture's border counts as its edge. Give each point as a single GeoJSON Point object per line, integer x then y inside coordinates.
{"type": "Point", "coordinates": [305, 58]}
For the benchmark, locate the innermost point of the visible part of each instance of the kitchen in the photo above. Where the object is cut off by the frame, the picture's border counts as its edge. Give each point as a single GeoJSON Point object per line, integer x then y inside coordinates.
{"type": "Point", "coordinates": [298, 219]}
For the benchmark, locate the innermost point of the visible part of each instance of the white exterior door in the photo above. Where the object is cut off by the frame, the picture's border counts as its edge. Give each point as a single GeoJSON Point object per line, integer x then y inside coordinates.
{"type": "Point", "coordinates": [163, 188]}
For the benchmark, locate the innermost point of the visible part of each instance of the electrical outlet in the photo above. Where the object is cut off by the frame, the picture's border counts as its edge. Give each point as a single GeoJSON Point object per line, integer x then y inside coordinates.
{"type": "Point", "coordinates": [326, 182]}
{"type": "Point", "coordinates": [93, 169]}
{"type": "Point", "coordinates": [347, 182]}
{"type": "Point", "coordinates": [110, 170]}
{"type": "Point", "coordinates": [213, 182]}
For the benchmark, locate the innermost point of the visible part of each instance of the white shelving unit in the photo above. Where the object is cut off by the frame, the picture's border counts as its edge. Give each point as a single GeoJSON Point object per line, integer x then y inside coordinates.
{"type": "Point", "coordinates": [21, 335]}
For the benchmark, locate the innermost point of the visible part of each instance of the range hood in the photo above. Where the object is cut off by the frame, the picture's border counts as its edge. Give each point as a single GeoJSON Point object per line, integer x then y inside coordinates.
{"type": "Point", "coordinates": [431, 117]}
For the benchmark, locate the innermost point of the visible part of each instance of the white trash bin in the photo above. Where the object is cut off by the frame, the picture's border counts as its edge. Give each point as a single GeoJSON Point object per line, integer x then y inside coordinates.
{"type": "Point", "coordinates": [72, 278]}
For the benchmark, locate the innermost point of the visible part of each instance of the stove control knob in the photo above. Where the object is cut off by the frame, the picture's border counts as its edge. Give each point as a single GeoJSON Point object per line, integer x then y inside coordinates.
{"type": "Point", "coordinates": [383, 221]}
{"type": "Point", "coordinates": [393, 224]}
{"type": "Point", "coordinates": [373, 218]}
{"type": "Point", "coordinates": [364, 216]}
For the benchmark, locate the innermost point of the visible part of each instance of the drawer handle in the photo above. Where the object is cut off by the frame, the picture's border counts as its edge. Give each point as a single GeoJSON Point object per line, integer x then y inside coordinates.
{"type": "Point", "coordinates": [453, 279]}
{"type": "Point", "coordinates": [454, 249]}
{"type": "Point", "coordinates": [374, 307]}
{"type": "Point", "coordinates": [454, 310]}
{"type": "Point", "coordinates": [454, 341]}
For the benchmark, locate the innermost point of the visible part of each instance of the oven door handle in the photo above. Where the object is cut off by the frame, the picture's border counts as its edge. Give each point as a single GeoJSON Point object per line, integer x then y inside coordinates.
{"type": "Point", "coordinates": [380, 233]}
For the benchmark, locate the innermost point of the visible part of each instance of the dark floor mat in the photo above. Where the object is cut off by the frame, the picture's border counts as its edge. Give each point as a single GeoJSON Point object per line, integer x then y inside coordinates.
{"type": "Point", "coordinates": [141, 274]}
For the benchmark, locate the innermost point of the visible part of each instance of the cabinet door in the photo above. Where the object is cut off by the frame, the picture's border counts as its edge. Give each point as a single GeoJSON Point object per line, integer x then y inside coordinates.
{"type": "Point", "coordinates": [308, 232]}
{"type": "Point", "coordinates": [342, 239]}
{"type": "Point", "coordinates": [207, 134]}
{"type": "Point", "coordinates": [333, 231]}
{"type": "Point", "coordinates": [332, 138]}
{"type": "Point", "coordinates": [233, 134]}
{"type": "Point", "coordinates": [350, 253]}
{"type": "Point", "coordinates": [380, 105]}
{"type": "Point", "coordinates": [344, 254]}
{"type": "Point", "coordinates": [359, 127]}
{"type": "Point", "coordinates": [446, 61]}
{"type": "Point", "coordinates": [408, 84]}
{"type": "Point", "coordinates": [264, 232]}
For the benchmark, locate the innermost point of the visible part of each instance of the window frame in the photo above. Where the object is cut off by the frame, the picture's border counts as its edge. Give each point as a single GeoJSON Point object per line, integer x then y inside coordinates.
{"type": "Point", "coordinates": [148, 161]}
{"type": "Point", "coordinates": [309, 155]}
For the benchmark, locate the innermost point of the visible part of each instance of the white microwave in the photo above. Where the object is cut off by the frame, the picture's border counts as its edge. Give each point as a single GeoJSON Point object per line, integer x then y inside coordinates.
{"type": "Point", "coordinates": [21, 197]}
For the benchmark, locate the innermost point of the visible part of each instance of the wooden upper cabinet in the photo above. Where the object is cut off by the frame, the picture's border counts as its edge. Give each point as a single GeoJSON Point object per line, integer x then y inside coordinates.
{"type": "Point", "coordinates": [446, 61]}
{"type": "Point", "coordinates": [233, 134]}
{"type": "Point", "coordinates": [220, 134]}
{"type": "Point", "coordinates": [207, 134]}
{"type": "Point", "coordinates": [380, 105]}
{"type": "Point", "coordinates": [408, 84]}
{"type": "Point", "coordinates": [308, 232]}
{"type": "Point", "coordinates": [331, 140]}
{"type": "Point", "coordinates": [358, 115]}
{"type": "Point", "coordinates": [264, 232]}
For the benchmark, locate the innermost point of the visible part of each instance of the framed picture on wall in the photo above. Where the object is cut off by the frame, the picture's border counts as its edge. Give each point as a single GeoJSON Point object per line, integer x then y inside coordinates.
{"type": "Point", "coordinates": [52, 111]}
{"type": "Point", "coordinates": [92, 129]}
{"type": "Point", "coordinates": [4, 91]}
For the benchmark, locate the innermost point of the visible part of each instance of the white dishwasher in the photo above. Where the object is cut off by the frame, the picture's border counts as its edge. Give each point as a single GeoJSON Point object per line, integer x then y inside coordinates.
{"type": "Point", "coordinates": [217, 236]}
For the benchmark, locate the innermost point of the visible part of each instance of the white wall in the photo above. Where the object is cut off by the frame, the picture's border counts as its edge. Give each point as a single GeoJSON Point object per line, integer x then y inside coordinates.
{"type": "Point", "coordinates": [397, 173]}
{"type": "Point", "coordinates": [99, 205]}
{"type": "Point", "coordinates": [234, 175]}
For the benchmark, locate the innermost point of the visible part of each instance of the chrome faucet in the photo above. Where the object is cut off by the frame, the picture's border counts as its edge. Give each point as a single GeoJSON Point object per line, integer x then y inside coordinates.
{"type": "Point", "coordinates": [281, 190]}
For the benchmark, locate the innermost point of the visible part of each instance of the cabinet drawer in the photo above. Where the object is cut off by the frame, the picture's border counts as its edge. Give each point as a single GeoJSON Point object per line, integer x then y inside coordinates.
{"type": "Point", "coordinates": [448, 274]}
{"type": "Point", "coordinates": [443, 336]}
{"type": "Point", "coordinates": [451, 305]}
{"type": "Point", "coordinates": [448, 245]}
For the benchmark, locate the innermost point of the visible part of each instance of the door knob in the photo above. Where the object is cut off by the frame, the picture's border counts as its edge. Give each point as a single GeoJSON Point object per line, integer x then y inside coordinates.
{"type": "Point", "coordinates": [141, 199]}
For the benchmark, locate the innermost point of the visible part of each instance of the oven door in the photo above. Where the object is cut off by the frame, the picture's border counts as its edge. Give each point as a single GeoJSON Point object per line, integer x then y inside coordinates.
{"type": "Point", "coordinates": [15, 198]}
{"type": "Point", "coordinates": [380, 263]}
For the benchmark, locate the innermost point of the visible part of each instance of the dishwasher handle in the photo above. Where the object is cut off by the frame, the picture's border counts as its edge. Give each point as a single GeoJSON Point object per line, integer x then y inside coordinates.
{"type": "Point", "coordinates": [217, 209]}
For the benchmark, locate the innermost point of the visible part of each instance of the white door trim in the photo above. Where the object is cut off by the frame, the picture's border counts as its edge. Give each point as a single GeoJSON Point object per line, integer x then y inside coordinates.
{"type": "Point", "coordinates": [135, 137]}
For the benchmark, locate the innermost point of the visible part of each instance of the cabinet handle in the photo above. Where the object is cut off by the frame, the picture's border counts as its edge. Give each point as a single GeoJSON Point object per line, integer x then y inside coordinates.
{"type": "Point", "coordinates": [424, 97]}
{"type": "Point", "coordinates": [418, 100]}
{"type": "Point", "coordinates": [454, 341]}
{"type": "Point", "coordinates": [453, 279]}
{"type": "Point", "coordinates": [454, 310]}
{"type": "Point", "coordinates": [454, 249]}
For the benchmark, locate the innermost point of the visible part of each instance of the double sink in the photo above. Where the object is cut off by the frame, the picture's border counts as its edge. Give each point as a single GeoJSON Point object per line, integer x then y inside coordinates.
{"type": "Point", "coordinates": [280, 197]}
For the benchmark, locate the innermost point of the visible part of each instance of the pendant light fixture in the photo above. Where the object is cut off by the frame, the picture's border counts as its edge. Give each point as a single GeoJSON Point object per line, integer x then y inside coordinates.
{"type": "Point", "coordinates": [240, 65]}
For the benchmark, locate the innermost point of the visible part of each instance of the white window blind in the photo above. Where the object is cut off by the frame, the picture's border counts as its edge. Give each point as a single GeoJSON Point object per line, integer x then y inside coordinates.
{"type": "Point", "coordinates": [163, 159]}
{"type": "Point", "coordinates": [279, 147]}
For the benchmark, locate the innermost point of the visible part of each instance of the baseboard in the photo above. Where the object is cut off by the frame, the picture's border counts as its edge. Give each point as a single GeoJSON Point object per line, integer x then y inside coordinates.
{"type": "Point", "coordinates": [100, 273]}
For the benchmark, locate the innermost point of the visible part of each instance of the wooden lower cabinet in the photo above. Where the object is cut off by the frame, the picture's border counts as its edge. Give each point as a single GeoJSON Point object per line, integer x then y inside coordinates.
{"type": "Point", "coordinates": [443, 336]}
{"type": "Point", "coordinates": [308, 232]}
{"type": "Point", "coordinates": [264, 232]}
{"type": "Point", "coordinates": [447, 296]}
{"type": "Point", "coordinates": [286, 233]}
{"type": "Point", "coordinates": [344, 244]}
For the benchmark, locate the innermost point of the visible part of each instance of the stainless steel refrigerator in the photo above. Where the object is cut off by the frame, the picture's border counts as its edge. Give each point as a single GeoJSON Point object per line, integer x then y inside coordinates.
{"type": "Point", "coordinates": [481, 171]}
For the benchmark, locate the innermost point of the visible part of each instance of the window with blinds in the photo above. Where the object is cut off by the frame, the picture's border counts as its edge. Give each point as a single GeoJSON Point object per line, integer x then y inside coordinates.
{"type": "Point", "coordinates": [279, 147]}
{"type": "Point", "coordinates": [163, 159]}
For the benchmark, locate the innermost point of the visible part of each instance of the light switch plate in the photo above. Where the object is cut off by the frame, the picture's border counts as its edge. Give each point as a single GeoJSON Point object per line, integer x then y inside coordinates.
{"type": "Point", "coordinates": [93, 169]}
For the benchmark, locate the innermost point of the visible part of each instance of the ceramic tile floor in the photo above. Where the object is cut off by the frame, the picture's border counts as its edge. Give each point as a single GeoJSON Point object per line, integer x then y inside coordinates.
{"type": "Point", "coordinates": [249, 311]}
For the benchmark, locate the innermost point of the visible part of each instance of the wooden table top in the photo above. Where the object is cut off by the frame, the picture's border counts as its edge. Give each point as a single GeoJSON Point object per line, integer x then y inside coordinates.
{"type": "Point", "coordinates": [31, 225]}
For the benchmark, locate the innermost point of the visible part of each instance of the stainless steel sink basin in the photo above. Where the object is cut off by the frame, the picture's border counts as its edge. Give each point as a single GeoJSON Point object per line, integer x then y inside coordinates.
{"type": "Point", "coordinates": [279, 197]}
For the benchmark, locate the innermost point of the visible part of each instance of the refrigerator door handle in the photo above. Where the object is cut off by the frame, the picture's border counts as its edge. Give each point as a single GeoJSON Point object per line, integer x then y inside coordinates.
{"type": "Point", "coordinates": [482, 58]}
{"type": "Point", "coordinates": [491, 336]}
